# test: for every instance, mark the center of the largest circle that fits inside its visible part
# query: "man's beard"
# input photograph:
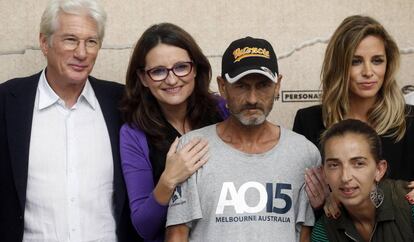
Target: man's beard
(251, 121)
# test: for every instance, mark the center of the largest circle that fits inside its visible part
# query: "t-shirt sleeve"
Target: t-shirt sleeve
(304, 212)
(185, 204)
(316, 155)
(184, 207)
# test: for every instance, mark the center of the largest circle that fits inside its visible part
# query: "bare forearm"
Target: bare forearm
(305, 234)
(177, 233)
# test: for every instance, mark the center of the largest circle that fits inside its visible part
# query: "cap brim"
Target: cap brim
(255, 70)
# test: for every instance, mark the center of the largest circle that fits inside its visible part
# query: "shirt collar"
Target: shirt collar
(88, 94)
(48, 97)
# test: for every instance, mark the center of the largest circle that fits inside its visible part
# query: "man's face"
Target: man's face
(250, 99)
(72, 50)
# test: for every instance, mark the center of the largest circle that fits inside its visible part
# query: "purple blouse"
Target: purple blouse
(147, 215)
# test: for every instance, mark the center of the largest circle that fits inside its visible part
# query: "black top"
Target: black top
(400, 155)
(158, 149)
(158, 154)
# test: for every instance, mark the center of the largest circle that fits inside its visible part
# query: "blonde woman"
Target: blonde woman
(358, 82)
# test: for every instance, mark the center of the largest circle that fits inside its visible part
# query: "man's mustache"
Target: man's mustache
(251, 106)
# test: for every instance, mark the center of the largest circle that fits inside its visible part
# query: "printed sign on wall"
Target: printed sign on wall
(301, 95)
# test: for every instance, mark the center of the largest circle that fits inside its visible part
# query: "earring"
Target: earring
(376, 196)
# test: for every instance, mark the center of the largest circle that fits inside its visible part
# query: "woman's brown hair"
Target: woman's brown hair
(141, 109)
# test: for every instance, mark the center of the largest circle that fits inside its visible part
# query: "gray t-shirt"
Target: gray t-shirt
(237, 196)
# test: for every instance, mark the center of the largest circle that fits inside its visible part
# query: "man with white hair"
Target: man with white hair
(60, 174)
(251, 188)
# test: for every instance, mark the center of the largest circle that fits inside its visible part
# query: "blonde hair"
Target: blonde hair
(387, 116)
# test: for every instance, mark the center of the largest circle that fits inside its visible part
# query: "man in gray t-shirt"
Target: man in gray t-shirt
(251, 189)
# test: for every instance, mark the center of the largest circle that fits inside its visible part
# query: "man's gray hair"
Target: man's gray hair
(49, 22)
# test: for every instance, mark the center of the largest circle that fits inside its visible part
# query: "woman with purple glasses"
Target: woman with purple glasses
(167, 94)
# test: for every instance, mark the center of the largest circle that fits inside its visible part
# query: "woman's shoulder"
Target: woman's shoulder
(396, 190)
(221, 105)
(308, 122)
(399, 188)
(132, 131)
(311, 111)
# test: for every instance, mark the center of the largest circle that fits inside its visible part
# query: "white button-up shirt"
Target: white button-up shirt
(409, 98)
(70, 174)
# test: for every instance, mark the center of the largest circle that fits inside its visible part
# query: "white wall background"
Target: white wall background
(298, 31)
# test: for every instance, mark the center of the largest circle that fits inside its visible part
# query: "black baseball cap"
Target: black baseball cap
(249, 55)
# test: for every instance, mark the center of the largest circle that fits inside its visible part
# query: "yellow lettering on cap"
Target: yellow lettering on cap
(245, 52)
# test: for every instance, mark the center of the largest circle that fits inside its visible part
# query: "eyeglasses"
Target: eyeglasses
(160, 73)
(72, 42)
